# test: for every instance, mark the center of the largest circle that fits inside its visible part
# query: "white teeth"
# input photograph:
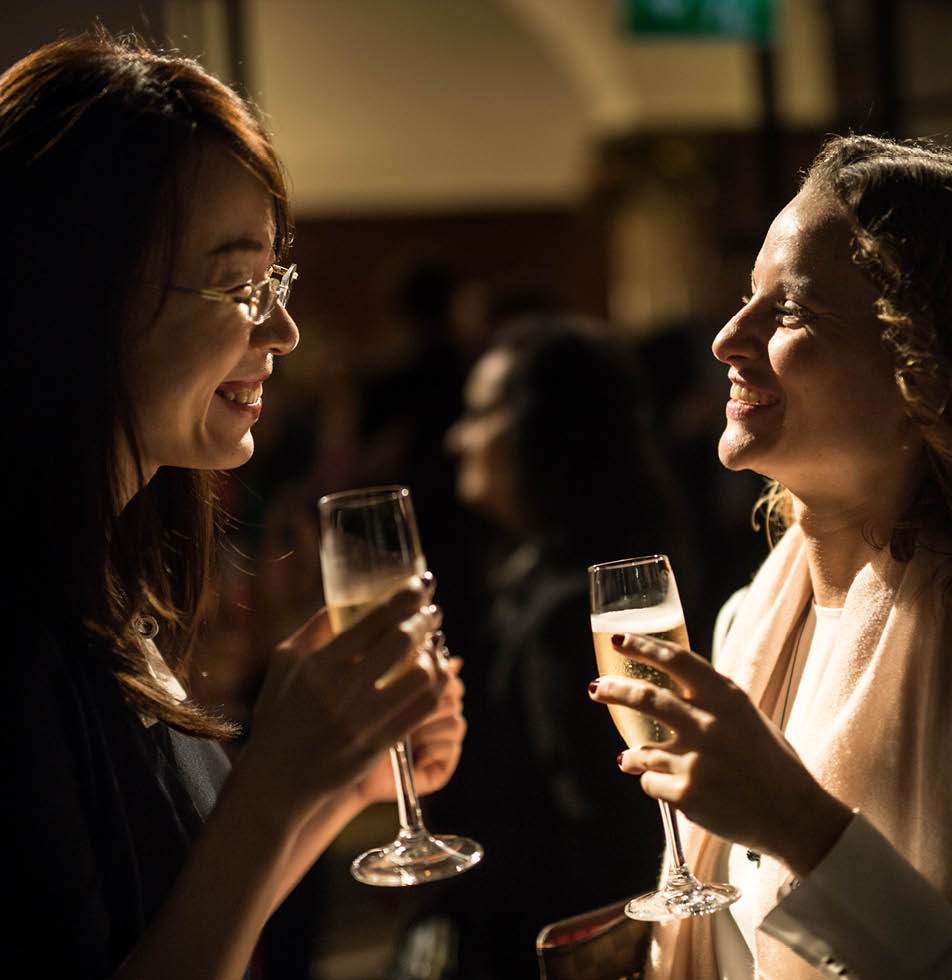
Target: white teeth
(247, 397)
(751, 397)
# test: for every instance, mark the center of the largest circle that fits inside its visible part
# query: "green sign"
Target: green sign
(747, 19)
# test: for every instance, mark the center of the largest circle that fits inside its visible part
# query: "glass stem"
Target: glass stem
(408, 803)
(673, 837)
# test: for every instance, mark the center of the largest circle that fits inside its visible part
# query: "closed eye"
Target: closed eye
(249, 284)
(242, 289)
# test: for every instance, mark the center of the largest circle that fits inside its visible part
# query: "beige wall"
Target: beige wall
(403, 105)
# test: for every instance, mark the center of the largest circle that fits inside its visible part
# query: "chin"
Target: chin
(232, 457)
(467, 488)
(738, 452)
(728, 455)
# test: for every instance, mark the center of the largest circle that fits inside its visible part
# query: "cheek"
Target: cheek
(499, 450)
(794, 360)
(485, 462)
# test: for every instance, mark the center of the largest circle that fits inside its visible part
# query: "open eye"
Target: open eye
(791, 314)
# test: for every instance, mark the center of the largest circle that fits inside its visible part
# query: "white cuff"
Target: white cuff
(866, 912)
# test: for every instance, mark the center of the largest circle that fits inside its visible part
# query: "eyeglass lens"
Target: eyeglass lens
(266, 294)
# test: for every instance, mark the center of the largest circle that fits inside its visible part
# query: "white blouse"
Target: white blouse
(863, 879)
(734, 932)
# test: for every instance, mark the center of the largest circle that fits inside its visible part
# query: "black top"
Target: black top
(101, 809)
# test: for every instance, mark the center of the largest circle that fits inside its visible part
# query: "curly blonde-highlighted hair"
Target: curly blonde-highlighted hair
(898, 198)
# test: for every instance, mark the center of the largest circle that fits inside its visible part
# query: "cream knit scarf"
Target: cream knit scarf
(878, 735)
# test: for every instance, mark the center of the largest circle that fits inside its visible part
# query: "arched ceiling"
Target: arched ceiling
(426, 104)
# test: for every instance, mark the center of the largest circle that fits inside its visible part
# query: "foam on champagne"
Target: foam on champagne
(666, 622)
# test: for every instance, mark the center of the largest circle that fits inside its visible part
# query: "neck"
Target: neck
(835, 558)
(841, 541)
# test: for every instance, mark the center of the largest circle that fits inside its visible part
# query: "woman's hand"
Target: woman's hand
(727, 767)
(436, 746)
(322, 720)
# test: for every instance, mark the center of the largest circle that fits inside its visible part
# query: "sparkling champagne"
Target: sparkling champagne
(370, 549)
(347, 603)
(664, 622)
(639, 595)
(351, 596)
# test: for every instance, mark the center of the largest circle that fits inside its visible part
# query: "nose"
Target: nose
(453, 438)
(740, 339)
(277, 332)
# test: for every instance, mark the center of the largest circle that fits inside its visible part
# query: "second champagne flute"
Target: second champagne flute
(639, 595)
(370, 548)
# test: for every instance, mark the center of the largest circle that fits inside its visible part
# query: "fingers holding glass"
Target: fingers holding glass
(370, 550)
(640, 595)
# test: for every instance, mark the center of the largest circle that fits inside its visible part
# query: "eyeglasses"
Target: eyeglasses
(259, 303)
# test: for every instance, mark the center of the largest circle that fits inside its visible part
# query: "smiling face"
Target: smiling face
(813, 401)
(195, 373)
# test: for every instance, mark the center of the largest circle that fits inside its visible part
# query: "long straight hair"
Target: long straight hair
(98, 138)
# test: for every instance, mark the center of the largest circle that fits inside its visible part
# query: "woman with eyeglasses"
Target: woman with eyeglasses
(144, 219)
(813, 763)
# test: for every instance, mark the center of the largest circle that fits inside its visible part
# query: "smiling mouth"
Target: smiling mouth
(245, 396)
(750, 397)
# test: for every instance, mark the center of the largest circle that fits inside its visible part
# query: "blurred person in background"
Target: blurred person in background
(812, 764)
(148, 203)
(551, 450)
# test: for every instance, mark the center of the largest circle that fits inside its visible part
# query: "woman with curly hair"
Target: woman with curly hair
(812, 765)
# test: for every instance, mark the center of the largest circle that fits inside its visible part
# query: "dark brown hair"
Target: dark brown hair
(98, 137)
(576, 393)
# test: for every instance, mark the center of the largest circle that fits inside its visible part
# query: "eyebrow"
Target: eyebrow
(236, 245)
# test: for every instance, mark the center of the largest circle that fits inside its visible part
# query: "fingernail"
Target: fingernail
(618, 639)
(593, 687)
(425, 582)
(620, 759)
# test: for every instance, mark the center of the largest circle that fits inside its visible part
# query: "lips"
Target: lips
(751, 396)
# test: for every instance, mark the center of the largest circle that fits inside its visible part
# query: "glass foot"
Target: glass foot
(414, 859)
(682, 897)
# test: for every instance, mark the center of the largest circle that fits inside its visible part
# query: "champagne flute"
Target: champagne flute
(640, 595)
(370, 548)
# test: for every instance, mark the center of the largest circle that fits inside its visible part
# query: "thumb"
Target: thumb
(315, 632)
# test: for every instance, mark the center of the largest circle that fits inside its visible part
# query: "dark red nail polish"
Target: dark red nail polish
(593, 687)
(618, 639)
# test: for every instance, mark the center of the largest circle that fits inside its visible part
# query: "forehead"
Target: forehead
(486, 383)
(808, 246)
(227, 210)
